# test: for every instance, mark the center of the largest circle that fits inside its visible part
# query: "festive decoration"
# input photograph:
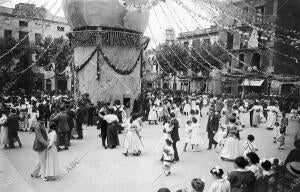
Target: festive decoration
(117, 70)
(80, 67)
(140, 5)
(282, 38)
(108, 13)
(117, 37)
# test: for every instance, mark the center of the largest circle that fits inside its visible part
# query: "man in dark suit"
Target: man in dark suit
(80, 118)
(61, 121)
(212, 127)
(103, 124)
(71, 121)
(13, 128)
(174, 134)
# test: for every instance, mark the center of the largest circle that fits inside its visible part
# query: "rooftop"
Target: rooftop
(200, 32)
(30, 11)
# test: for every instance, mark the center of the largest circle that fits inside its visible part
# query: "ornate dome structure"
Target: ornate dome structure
(126, 14)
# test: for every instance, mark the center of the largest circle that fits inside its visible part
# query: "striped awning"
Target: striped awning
(252, 82)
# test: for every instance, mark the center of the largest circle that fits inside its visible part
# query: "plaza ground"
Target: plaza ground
(109, 171)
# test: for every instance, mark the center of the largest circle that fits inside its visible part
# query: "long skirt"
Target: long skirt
(132, 142)
(3, 136)
(52, 165)
(112, 134)
(232, 149)
(271, 120)
(256, 118)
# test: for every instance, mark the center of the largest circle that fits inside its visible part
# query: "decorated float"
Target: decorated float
(108, 42)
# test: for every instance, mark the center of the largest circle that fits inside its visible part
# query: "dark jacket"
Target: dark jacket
(71, 117)
(174, 133)
(212, 123)
(40, 142)
(80, 115)
(13, 123)
(61, 121)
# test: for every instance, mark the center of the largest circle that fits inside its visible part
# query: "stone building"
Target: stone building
(36, 23)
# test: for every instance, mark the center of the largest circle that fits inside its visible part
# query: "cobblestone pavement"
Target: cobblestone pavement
(92, 168)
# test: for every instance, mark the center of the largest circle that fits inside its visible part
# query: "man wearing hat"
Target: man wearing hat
(212, 127)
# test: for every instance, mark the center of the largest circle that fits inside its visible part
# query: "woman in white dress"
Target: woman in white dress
(132, 141)
(273, 112)
(52, 165)
(257, 110)
(232, 146)
(197, 138)
(152, 117)
(187, 107)
(3, 133)
(33, 119)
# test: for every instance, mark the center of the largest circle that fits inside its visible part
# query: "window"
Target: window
(255, 61)
(7, 34)
(23, 34)
(243, 42)
(38, 38)
(59, 28)
(48, 85)
(241, 60)
(23, 23)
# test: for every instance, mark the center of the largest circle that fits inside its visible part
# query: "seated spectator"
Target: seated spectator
(241, 179)
(294, 154)
(220, 184)
(253, 166)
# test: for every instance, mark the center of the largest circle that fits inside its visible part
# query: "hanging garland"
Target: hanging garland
(107, 60)
(117, 70)
(80, 67)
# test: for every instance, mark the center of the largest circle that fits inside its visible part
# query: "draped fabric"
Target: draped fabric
(109, 13)
(110, 86)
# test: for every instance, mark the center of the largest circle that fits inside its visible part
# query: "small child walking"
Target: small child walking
(284, 123)
(249, 145)
(188, 134)
(168, 157)
(281, 139)
(275, 132)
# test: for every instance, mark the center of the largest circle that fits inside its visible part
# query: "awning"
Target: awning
(252, 82)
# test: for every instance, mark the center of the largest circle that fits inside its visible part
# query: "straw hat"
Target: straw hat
(294, 168)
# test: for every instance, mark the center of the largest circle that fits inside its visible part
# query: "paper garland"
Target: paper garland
(107, 60)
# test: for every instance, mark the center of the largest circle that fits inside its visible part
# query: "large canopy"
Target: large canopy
(109, 13)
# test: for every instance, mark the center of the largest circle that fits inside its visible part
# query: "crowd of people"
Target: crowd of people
(56, 120)
(226, 119)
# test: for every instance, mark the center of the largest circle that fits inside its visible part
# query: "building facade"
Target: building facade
(35, 24)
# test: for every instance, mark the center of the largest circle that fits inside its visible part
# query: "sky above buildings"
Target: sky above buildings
(163, 16)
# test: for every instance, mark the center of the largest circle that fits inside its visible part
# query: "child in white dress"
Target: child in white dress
(220, 137)
(52, 165)
(152, 117)
(275, 132)
(188, 134)
(166, 135)
(197, 138)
